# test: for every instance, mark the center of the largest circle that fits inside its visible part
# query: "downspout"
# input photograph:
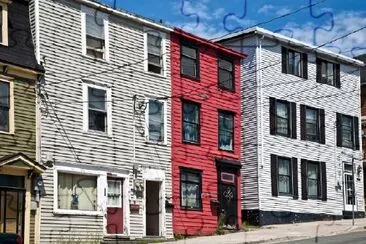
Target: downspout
(36, 29)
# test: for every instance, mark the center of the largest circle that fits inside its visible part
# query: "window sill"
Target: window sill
(97, 133)
(156, 143)
(285, 136)
(224, 89)
(226, 150)
(192, 209)
(191, 143)
(350, 148)
(155, 74)
(96, 59)
(7, 133)
(190, 77)
(77, 212)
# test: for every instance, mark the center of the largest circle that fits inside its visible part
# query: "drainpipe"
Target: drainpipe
(36, 28)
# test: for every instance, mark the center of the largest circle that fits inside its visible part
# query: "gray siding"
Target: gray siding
(274, 83)
(64, 139)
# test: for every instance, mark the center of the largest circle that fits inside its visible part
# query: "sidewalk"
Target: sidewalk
(280, 233)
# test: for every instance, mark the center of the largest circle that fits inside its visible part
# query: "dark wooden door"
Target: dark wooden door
(228, 198)
(115, 206)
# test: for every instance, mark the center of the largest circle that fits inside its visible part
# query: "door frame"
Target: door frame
(125, 204)
(157, 176)
(348, 207)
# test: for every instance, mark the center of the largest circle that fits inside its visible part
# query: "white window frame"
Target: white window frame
(4, 28)
(11, 110)
(119, 205)
(84, 10)
(86, 108)
(101, 182)
(163, 50)
(164, 102)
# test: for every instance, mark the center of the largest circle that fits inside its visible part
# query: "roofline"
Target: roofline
(126, 15)
(288, 40)
(209, 43)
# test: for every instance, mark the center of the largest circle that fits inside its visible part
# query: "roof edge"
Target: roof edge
(288, 40)
(126, 15)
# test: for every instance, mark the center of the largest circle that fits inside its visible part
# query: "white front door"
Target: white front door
(348, 187)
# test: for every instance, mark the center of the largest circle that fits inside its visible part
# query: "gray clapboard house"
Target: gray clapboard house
(105, 122)
(301, 130)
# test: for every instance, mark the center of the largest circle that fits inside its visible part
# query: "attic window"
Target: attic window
(3, 24)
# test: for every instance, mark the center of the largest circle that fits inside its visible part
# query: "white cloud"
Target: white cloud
(283, 11)
(200, 8)
(265, 9)
(344, 23)
(219, 13)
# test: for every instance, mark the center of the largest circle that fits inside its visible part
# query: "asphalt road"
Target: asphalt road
(352, 238)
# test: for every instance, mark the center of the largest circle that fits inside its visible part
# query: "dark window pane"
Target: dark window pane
(94, 26)
(189, 52)
(191, 112)
(189, 67)
(347, 131)
(284, 173)
(226, 131)
(282, 118)
(294, 63)
(156, 121)
(190, 132)
(96, 98)
(312, 131)
(97, 120)
(190, 190)
(327, 73)
(4, 106)
(191, 120)
(313, 179)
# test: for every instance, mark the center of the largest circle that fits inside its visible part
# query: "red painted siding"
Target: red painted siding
(201, 157)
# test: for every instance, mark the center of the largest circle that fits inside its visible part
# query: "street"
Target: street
(354, 238)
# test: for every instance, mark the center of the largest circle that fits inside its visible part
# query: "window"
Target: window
(348, 131)
(156, 121)
(189, 61)
(191, 122)
(226, 74)
(282, 118)
(4, 106)
(328, 73)
(3, 24)
(314, 180)
(97, 109)
(154, 50)
(226, 131)
(96, 33)
(284, 176)
(312, 124)
(114, 193)
(294, 63)
(191, 187)
(77, 192)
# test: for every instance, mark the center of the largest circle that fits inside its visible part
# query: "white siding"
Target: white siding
(274, 83)
(67, 68)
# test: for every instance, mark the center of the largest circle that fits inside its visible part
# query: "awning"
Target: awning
(21, 160)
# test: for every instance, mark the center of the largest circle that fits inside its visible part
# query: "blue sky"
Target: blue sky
(327, 20)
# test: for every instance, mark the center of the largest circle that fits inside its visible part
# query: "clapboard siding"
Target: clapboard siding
(333, 100)
(24, 138)
(67, 68)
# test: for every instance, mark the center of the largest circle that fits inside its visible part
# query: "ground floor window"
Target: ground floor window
(77, 192)
(191, 188)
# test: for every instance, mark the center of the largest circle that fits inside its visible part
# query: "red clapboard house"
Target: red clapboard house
(206, 131)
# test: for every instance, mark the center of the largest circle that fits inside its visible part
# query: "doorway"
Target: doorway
(348, 187)
(228, 198)
(153, 208)
(115, 206)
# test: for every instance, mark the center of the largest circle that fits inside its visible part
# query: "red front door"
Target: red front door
(114, 206)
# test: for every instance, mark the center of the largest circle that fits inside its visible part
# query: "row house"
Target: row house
(105, 122)
(20, 181)
(301, 118)
(206, 140)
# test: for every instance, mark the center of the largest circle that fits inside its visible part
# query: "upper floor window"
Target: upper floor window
(156, 121)
(95, 30)
(328, 73)
(348, 132)
(97, 109)
(312, 124)
(3, 24)
(314, 180)
(284, 176)
(6, 107)
(294, 63)
(226, 74)
(189, 61)
(226, 131)
(191, 188)
(191, 122)
(282, 118)
(154, 54)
